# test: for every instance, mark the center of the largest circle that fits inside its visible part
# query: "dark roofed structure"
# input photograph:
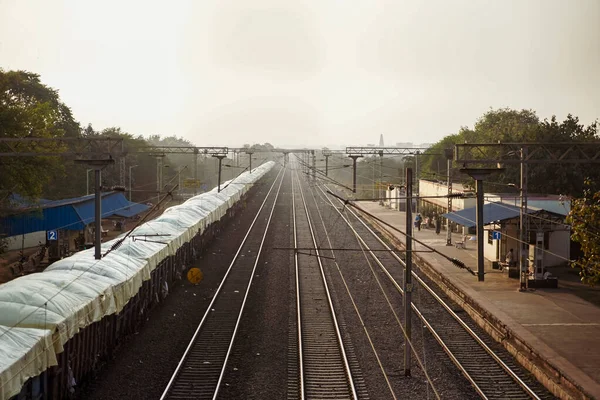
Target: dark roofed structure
(68, 214)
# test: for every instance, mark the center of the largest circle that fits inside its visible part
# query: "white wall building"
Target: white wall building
(429, 188)
(25, 241)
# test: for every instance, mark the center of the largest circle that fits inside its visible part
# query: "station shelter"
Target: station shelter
(547, 242)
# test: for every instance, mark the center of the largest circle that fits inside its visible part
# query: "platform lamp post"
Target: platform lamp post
(130, 168)
(97, 166)
(479, 174)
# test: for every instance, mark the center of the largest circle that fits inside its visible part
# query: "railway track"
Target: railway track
(200, 372)
(324, 367)
(492, 375)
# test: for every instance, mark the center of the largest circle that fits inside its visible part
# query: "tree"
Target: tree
(512, 126)
(585, 229)
(28, 108)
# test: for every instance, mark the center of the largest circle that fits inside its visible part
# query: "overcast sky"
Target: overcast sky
(307, 73)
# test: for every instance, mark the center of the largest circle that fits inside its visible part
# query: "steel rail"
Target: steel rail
(476, 337)
(298, 317)
(237, 324)
(338, 334)
(354, 305)
(218, 291)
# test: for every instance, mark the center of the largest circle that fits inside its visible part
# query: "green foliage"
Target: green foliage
(585, 221)
(511, 126)
(29, 108)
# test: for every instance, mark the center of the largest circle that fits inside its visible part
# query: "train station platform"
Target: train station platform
(553, 332)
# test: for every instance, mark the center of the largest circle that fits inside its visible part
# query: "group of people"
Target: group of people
(437, 222)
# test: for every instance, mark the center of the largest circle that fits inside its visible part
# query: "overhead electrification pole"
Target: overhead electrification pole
(97, 166)
(196, 171)
(97, 216)
(408, 272)
(479, 174)
(417, 179)
(379, 190)
(354, 157)
(219, 176)
(523, 226)
(130, 168)
(314, 163)
(449, 155)
(87, 180)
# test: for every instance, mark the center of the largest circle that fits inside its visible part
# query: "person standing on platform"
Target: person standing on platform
(438, 224)
(418, 221)
(510, 259)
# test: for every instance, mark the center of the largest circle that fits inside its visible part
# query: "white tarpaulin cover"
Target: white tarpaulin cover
(41, 312)
(24, 353)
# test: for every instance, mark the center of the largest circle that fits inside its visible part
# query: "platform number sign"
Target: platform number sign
(496, 235)
(52, 235)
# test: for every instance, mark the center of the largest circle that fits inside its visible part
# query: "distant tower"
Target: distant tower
(381, 140)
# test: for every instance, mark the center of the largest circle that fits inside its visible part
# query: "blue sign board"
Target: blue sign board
(52, 235)
(496, 235)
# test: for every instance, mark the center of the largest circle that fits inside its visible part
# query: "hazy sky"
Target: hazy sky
(228, 72)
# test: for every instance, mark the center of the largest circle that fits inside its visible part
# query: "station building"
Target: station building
(548, 238)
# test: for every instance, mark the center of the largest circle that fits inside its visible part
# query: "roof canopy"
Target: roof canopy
(69, 214)
(492, 212)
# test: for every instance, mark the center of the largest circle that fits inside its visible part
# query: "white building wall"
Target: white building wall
(31, 240)
(489, 250)
(560, 244)
(428, 188)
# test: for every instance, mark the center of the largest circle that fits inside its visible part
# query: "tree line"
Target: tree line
(29, 108)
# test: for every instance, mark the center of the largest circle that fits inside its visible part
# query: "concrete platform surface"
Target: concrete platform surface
(558, 325)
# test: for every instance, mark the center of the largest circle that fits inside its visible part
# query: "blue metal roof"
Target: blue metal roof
(491, 212)
(69, 214)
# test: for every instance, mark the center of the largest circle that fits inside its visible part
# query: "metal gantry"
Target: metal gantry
(219, 152)
(409, 151)
(536, 153)
(356, 152)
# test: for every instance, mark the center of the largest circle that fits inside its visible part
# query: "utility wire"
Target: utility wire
(453, 260)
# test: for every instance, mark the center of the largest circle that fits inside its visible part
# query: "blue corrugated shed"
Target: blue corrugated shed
(69, 214)
(491, 212)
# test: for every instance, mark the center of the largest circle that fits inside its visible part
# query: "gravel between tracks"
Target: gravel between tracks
(380, 321)
(258, 365)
